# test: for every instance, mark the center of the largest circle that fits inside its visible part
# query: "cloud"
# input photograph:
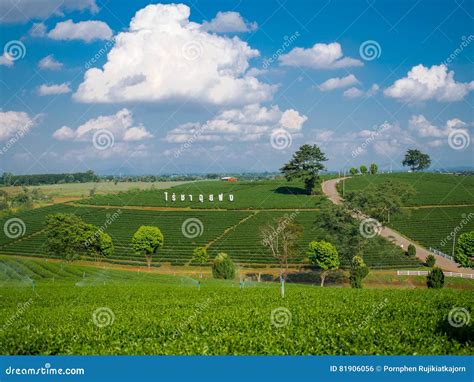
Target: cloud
(120, 125)
(423, 84)
(13, 122)
(250, 123)
(419, 125)
(37, 30)
(45, 90)
(22, 11)
(163, 56)
(320, 56)
(338, 82)
(49, 62)
(84, 30)
(6, 60)
(356, 92)
(228, 22)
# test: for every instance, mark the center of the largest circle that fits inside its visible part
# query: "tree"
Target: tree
(98, 244)
(146, 241)
(200, 256)
(281, 236)
(354, 170)
(358, 272)
(223, 267)
(435, 278)
(411, 250)
(374, 168)
(464, 254)
(416, 160)
(363, 169)
(305, 165)
(324, 255)
(430, 261)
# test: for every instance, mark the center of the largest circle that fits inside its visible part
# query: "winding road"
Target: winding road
(329, 189)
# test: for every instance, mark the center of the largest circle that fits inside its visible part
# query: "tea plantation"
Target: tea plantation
(84, 310)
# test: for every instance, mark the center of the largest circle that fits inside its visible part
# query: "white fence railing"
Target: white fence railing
(439, 253)
(424, 273)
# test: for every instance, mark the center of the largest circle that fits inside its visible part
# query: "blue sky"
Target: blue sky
(205, 86)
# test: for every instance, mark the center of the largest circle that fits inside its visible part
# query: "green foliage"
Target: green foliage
(223, 267)
(416, 160)
(8, 178)
(323, 255)
(373, 168)
(464, 254)
(435, 278)
(98, 244)
(411, 250)
(358, 272)
(430, 261)
(305, 165)
(363, 169)
(354, 170)
(146, 241)
(200, 255)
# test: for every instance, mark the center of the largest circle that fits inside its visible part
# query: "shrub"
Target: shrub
(411, 250)
(358, 272)
(435, 278)
(223, 267)
(465, 250)
(430, 261)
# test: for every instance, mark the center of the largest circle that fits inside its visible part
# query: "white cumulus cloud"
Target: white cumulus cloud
(13, 122)
(320, 56)
(121, 125)
(84, 30)
(50, 63)
(250, 123)
(338, 82)
(423, 84)
(163, 56)
(356, 92)
(228, 22)
(6, 60)
(45, 90)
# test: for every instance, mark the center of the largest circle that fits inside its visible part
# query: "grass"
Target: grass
(431, 189)
(271, 194)
(84, 311)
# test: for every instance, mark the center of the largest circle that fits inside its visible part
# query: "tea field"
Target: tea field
(82, 310)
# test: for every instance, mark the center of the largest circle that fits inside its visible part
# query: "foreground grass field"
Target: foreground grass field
(82, 310)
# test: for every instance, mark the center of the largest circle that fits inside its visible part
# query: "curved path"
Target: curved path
(329, 189)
